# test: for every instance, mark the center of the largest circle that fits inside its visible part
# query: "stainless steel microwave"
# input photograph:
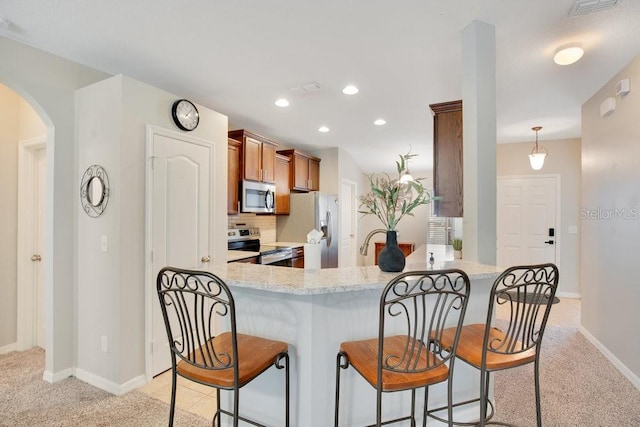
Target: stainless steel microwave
(258, 197)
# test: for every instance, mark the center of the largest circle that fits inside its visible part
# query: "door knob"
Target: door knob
(549, 242)
(205, 258)
(36, 257)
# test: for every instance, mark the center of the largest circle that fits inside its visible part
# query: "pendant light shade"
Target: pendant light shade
(538, 153)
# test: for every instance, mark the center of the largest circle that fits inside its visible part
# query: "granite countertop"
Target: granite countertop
(238, 255)
(299, 281)
(285, 244)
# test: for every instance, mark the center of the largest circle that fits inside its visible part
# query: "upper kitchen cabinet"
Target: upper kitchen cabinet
(282, 185)
(258, 160)
(447, 158)
(304, 172)
(234, 149)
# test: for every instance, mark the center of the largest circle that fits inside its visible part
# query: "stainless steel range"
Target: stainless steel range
(248, 239)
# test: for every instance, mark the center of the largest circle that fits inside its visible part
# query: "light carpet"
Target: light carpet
(579, 387)
(27, 400)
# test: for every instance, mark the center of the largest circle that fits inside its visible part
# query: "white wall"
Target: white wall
(48, 82)
(610, 216)
(563, 160)
(112, 116)
(9, 135)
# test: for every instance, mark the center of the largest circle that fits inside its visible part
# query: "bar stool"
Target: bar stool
(526, 294)
(415, 308)
(194, 304)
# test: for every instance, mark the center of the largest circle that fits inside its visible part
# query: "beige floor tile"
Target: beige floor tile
(204, 407)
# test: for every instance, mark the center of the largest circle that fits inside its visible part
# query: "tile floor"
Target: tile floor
(193, 397)
(201, 400)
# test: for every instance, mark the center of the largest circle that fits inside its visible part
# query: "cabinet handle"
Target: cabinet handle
(36, 257)
(310, 184)
(205, 258)
(238, 206)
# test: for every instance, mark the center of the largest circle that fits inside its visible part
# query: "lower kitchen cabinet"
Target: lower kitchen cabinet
(297, 257)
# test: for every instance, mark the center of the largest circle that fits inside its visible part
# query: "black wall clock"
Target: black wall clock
(185, 114)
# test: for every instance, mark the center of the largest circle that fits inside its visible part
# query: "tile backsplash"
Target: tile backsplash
(266, 224)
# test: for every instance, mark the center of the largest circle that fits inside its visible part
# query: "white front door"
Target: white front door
(180, 219)
(527, 221)
(348, 223)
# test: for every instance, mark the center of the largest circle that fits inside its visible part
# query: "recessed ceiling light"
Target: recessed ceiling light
(568, 54)
(323, 129)
(350, 90)
(380, 122)
(282, 102)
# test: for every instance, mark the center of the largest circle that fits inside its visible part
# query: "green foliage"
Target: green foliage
(390, 200)
(457, 244)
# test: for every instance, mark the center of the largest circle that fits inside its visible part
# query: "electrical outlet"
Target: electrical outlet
(103, 343)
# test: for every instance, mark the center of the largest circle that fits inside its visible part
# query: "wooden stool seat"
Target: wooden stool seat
(255, 355)
(470, 348)
(363, 356)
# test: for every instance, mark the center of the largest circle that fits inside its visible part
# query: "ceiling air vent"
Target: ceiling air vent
(582, 7)
(306, 88)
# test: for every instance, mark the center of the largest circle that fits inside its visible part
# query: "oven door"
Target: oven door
(258, 197)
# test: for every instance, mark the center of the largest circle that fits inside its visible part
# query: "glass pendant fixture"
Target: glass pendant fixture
(538, 153)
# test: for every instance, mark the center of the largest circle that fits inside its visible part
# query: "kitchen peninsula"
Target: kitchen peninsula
(314, 311)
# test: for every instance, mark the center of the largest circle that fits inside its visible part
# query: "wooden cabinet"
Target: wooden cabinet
(282, 185)
(406, 248)
(258, 160)
(447, 158)
(304, 171)
(233, 175)
(297, 257)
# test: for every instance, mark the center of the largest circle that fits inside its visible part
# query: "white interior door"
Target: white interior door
(180, 219)
(41, 173)
(348, 223)
(527, 221)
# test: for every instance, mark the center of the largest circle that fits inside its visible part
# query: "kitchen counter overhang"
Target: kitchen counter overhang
(333, 280)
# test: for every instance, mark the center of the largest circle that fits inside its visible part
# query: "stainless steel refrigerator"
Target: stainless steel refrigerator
(310, 211)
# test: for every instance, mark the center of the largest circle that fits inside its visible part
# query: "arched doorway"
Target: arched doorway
(25, 208)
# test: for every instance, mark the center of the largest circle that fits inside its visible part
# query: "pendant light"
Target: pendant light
(538, 154)
(406, 177)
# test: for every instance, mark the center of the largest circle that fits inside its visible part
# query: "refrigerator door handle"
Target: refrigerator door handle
(329, 228)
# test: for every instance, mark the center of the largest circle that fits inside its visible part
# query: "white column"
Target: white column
(479, 136)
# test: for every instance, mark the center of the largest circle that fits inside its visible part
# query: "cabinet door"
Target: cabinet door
(268, 163)
(282, 185)
(233, 175)
(301, 172)
(447, 158)
(314, 175)
(252, 156)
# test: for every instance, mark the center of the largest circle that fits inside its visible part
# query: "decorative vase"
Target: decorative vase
(457, 254)
(391, 257)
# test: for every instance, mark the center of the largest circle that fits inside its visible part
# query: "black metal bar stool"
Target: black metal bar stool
(525, 295)
(193, 304)
(415, 308)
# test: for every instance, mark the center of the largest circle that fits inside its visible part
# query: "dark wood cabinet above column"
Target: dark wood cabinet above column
(447, 158)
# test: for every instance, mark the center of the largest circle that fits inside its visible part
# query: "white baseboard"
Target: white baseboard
(635, 380)
(8, 348)
(571, 295)
(50, 377)
(110, 386)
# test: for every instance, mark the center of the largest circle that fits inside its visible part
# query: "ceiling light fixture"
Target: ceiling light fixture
(323, 129)
(406, 177)
(538, 154)
(282, 102)
(568, 54)
(380, 122)
(350, 90)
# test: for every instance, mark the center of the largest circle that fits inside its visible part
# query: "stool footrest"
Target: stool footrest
(430, 413)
